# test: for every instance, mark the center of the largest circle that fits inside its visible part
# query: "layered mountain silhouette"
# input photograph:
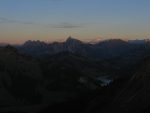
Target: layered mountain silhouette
(74, 76)
(104, 49)
(38, 48)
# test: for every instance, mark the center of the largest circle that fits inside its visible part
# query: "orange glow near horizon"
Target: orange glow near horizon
(48, 20)
(49, 39)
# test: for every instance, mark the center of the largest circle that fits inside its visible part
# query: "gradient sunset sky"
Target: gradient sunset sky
(55, 20)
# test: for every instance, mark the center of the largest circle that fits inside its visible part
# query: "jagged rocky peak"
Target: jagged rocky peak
(33, 43)
(71, 40)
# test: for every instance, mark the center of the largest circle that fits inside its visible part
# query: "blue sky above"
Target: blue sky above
(51, 20)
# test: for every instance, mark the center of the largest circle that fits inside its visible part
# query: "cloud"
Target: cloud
(54, 0)
(51, 0)
(7, 20)
(66, 25)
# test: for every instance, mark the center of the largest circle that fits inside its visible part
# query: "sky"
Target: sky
(55, 20)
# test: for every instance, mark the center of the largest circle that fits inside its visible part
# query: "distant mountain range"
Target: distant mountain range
(104, 49)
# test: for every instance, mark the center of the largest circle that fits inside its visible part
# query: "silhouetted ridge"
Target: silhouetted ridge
(113, 42)
(34, 43)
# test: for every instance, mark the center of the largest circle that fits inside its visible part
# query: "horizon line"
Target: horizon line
(96, 40)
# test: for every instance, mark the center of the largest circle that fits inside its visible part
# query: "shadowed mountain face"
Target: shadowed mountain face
(19, 75)
(133, 97)
(72, 76)
(26, 82)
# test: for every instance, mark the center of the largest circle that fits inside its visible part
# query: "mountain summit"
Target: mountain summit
(71, 40)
